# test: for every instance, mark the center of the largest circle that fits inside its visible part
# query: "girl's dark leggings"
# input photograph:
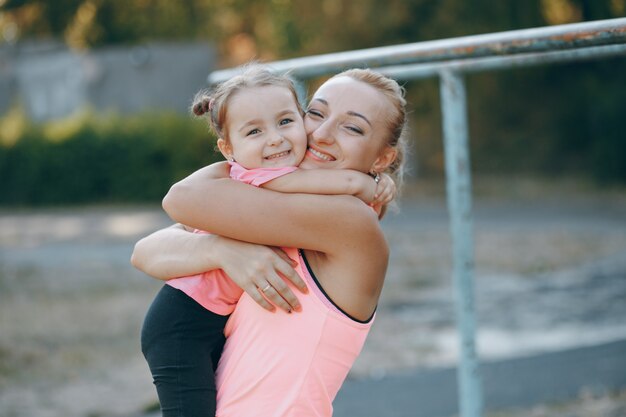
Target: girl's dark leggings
(182, 342)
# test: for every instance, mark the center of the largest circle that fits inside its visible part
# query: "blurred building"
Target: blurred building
(50, 81)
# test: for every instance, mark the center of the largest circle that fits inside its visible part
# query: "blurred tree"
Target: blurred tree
(41, 18)
(286, 28)
(559, 131)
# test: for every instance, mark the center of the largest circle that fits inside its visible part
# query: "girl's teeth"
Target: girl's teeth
(278, 155)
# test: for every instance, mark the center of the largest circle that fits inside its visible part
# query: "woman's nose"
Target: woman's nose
(323, 133)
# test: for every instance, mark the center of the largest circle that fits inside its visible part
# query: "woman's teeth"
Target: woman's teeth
(320, 155)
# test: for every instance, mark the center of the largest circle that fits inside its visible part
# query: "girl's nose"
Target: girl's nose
(276, 138)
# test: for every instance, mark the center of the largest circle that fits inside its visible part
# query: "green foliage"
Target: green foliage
(104, 159)
(557, 119)
(553, 120)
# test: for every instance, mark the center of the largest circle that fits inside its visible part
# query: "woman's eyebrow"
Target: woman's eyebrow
(353, 113)
(321, 100)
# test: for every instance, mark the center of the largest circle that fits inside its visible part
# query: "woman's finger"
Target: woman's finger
(289, 273)
(270, 293)
(283, 255)
(255, 294)
(282, 290)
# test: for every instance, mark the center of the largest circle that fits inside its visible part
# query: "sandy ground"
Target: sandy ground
(550, 274)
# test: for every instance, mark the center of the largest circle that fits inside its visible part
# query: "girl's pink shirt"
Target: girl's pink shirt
(214, 290)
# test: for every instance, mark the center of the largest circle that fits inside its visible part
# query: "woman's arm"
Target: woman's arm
(229, 208)
(175, 251)
(342, 231)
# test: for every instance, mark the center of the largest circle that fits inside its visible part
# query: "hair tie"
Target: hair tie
(211, 104)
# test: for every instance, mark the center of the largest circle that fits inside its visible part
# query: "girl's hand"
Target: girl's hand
(261, 272)
(385, 191)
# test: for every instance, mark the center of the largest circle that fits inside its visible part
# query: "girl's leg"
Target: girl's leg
(182, 342)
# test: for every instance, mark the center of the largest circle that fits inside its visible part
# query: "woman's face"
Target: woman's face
(345, 126)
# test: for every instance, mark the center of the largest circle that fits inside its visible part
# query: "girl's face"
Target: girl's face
(345, 125)
(264, 128)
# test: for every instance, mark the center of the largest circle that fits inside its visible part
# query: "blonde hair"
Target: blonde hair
(396, 120)
(214, 103)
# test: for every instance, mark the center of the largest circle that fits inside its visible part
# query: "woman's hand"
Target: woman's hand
(175, 251)
(259, 271)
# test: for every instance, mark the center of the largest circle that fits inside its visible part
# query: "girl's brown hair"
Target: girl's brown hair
(214, 103)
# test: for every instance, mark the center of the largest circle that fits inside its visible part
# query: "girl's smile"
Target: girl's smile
(266, 130)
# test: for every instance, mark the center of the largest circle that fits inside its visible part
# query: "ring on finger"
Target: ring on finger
(267, 287)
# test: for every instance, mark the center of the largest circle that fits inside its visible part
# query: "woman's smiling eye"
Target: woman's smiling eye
(313, 112)
(355, 129)
(285, 121)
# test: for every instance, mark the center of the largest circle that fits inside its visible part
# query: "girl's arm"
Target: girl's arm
(225, 207)
(326, 181)
(175, 251)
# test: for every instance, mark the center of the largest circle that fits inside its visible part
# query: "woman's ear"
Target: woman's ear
(225, 149)
(385, 159)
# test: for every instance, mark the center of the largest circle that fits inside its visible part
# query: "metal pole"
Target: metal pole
(455, 129)
(301, 91)
(548, 38)
(498, 63)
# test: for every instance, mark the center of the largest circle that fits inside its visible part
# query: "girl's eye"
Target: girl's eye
(253, 132)
(285, 121)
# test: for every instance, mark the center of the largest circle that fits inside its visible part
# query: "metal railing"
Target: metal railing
(450, 59)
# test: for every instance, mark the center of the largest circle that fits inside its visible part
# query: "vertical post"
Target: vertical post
(455, 129)
(301, 91)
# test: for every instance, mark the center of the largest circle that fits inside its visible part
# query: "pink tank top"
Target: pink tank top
(287, 365)
(214, 290)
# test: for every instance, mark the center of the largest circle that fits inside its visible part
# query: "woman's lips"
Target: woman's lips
(320, 156)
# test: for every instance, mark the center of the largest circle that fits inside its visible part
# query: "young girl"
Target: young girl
(259, 123)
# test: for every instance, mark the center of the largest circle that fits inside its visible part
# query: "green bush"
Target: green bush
(104, 159)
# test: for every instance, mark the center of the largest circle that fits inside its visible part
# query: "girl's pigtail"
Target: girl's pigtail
(202, 104)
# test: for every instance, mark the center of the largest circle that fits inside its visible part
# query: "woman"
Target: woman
(293, 365)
